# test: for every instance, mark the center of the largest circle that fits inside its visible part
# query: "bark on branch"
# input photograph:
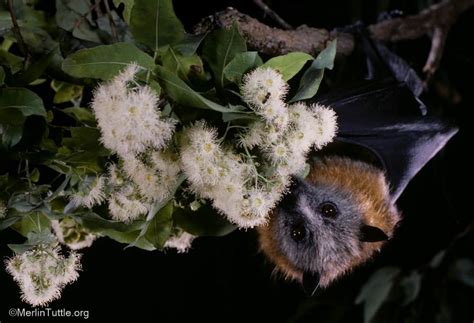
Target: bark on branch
(275, 41)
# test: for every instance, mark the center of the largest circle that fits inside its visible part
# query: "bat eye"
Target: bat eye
(328, 209)
(298, 232)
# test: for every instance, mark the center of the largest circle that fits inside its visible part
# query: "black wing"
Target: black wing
(386, 117)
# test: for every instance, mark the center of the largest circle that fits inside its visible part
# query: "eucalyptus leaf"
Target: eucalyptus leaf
(312, 77)
(129, 238)
(463, 271)
(105, 61)
(203, 222)
(411, 286)
(9, 221)
(128, 6)
(96, 223)
(189, 44)
(160, 227)
(220, 47)
(66, 92)
(154, 23)
(13, 62)
(181, 65)
(240, 64)
(22, 100)
(34, 71)
(376, 291)
(80, 114)
(181, 93)
(32, 222)
(2, 75)
(16, 104)
(288, 65)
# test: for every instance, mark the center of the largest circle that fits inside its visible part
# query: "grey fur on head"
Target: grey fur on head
(330, 222)
(329, 243)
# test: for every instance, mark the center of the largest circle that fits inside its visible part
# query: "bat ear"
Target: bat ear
(369, 233)
(310, 282)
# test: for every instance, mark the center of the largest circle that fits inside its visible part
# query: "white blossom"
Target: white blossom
(157, 180)
(326, 124)
(128, 118)
(126, 204)
(71, 234)
(42, 273)
(91, 192)
(262, 85)
(181, 242)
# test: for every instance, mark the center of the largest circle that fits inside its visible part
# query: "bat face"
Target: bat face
(330, 222)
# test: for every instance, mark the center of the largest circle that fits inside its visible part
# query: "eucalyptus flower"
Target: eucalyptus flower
(42, 273)
(128, 115)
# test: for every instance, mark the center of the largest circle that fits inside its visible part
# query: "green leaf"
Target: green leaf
(241, 64)
(181, 93)
(288, 65)
(96, 223)
(22, 100)
(220, 47)
(105, 61)
(32, 222)
(183, 65)
(312, 77)
(13, 62)
(80, 114)
(160, 227)
(376, 290)
(129, 238)
(9, 221)
(411, 287)
(85, 139)
(66, 92)
(154, 23)
(2, 75)
(34, 71)
(203, 222)
(463, 271)
(16, 104)
(10, 135)
(189, 45)
(127, 11)
(76, 16)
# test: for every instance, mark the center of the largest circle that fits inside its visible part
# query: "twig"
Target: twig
(113, 28)
(275, 41)
(438, 41)
(17, 32)
(83, 17)
(272, 14)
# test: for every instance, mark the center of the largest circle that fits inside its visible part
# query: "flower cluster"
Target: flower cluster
(132, 126)
(244, 178)
(128, 117)
(246, 186)
(42, 273)
(71, 234)
(217, 173)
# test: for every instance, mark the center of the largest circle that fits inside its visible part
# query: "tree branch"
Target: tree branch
(17, 32)
(272, 14)
(276, 41)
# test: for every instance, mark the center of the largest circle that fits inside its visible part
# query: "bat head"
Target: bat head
(330, 222)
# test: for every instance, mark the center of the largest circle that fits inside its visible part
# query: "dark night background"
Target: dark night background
(227, 279)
